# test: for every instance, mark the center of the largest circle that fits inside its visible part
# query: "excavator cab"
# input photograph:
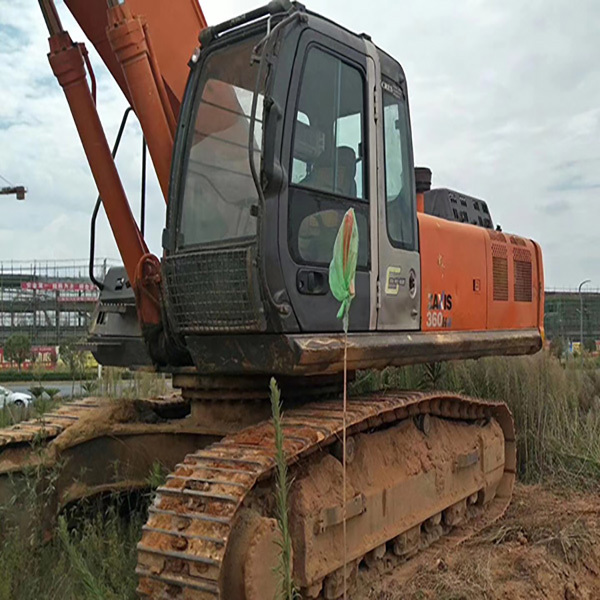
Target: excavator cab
(287, 122)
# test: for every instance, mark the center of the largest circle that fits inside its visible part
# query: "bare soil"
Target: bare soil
(547, 546)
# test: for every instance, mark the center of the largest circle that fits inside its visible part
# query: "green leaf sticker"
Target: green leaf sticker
(342, 269)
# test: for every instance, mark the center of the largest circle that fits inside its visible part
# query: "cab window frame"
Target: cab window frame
(399, 95)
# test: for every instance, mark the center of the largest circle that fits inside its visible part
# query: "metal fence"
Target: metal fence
(563, 314)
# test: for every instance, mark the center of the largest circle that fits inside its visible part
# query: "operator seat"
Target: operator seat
(346, 160)
(322, 174)
(317, 231)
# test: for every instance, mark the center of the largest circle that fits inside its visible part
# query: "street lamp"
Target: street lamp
(581, 314)
(19, 190)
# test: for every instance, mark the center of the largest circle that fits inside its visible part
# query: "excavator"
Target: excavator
(263, 131)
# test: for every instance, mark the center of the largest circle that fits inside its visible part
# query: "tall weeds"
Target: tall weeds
(556, 407)
(287, 590)
(95, 560)
(557, 414)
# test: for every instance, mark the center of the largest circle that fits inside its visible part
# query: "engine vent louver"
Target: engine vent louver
(496, 236)
(523, 275)
(500, 272)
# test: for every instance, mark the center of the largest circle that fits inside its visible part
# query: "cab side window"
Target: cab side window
(400, 202)
(328, 158)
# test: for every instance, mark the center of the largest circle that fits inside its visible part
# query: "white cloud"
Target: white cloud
(504, 101)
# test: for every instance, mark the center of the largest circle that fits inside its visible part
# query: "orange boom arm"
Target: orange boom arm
(135, 40)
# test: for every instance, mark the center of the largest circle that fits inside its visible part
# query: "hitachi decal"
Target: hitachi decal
(394, 281)
(441, 301)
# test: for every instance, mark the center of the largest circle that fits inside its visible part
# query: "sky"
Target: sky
(505, 106)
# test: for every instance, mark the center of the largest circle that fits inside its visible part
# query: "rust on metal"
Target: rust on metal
(215, 543)
(322, 355)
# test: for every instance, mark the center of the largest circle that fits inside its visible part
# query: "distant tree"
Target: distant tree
(589, 344)
(74, 359)
(52, 393)
(37, 391)
(17, 349)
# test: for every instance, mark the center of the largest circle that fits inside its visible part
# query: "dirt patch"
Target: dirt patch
(94, 423)
(547, 546)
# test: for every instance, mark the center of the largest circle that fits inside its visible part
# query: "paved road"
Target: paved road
(65, 387)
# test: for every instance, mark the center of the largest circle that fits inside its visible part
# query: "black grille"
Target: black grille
(500, 268)
(523, 284)
(213, 291)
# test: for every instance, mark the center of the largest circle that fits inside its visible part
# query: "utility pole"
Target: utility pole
(581, 314)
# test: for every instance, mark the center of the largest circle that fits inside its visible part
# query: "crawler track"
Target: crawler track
(96, 445)
(188, 547)
(50, 425)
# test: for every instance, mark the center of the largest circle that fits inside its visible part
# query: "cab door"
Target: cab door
(399, 290)
(326, 155)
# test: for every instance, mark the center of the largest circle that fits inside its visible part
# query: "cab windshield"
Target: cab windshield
(218, 189)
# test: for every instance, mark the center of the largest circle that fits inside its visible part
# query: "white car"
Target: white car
(14, 398)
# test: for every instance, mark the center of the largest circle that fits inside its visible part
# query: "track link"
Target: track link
(47, 427)
(93, 446)
(184, 548)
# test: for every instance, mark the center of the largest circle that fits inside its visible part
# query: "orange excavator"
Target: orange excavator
(263, 131)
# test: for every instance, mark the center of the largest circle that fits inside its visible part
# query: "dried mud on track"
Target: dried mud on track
(547, 546)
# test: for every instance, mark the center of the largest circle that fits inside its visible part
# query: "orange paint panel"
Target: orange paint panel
(173, 26)
(453, 275)
(476, 279)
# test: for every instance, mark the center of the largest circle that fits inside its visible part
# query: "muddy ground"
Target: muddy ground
(546, 546)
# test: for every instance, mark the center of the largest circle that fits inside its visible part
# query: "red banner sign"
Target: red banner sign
(77, 299)
(46, 355)
(58, 286)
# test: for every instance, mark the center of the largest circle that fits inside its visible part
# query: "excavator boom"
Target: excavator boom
(179, 20)
(135, 41)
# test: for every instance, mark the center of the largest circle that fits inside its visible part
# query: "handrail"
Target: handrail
(100, 284)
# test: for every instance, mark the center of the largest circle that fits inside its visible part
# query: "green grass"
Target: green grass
(11, 414)
(557, 413)
(93, 561)
(556, 407)
(58, 374)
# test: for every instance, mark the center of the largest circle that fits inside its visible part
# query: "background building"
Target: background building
(563, 317)
(50, 301)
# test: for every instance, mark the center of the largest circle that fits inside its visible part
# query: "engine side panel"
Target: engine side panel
(453, 275)
(515, 289)
(477, 279)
